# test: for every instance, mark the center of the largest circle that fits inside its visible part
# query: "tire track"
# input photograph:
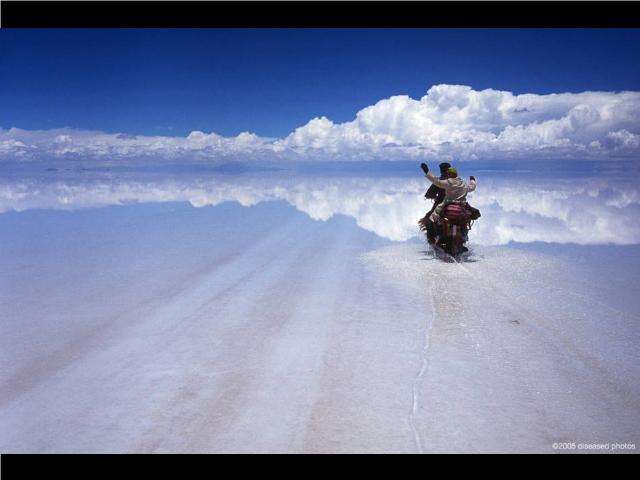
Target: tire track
(423, 369)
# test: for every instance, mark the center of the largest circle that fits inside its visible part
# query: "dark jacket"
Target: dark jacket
(436, 193)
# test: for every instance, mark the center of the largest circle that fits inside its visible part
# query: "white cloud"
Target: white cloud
(10, 148)
(450, 121)
(91, 145)
(457, 121)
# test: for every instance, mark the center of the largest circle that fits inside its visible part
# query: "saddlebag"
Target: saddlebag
(473, 213)
(455, 213)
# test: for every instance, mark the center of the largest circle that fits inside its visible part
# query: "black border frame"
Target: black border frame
(313, 14)
(316, 14)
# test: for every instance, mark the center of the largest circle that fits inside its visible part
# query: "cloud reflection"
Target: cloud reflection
(591, 210)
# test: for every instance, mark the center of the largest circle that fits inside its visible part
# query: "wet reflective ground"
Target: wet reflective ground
(197, 310)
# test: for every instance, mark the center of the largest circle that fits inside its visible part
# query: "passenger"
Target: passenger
(455, 189)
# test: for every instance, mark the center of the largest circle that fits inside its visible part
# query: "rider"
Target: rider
(436, 193)
(454, 187)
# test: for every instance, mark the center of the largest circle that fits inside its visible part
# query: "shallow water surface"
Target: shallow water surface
(288, 312)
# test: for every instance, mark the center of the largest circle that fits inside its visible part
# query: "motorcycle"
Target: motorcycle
(451, 232)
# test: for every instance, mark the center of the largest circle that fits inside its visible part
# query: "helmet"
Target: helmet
(444, 166)
(452, 171)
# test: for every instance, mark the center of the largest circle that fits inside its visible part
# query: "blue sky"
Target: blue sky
(172, 82)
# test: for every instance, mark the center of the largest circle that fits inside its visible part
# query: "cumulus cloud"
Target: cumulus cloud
(449, 121)
(457, 121)
(73, 144)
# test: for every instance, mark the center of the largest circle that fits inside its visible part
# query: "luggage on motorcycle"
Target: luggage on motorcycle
(454, 212)
(473, 213)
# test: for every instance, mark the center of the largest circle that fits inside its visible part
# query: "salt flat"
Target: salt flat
(283, 327)
(520, 352)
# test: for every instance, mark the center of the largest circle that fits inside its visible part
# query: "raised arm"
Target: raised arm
(432, 178)
(436, 181)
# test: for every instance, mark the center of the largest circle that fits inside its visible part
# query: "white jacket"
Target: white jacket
(455, 189)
